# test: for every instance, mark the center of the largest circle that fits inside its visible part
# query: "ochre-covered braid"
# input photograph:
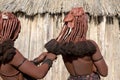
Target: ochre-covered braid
(63, 33)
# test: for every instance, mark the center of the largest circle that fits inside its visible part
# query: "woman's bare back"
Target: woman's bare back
(7, 72)
(78, 66)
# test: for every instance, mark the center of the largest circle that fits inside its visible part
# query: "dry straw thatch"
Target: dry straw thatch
(32, 7)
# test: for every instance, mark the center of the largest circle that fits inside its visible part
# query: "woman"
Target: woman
(81, 56)
(12, 63)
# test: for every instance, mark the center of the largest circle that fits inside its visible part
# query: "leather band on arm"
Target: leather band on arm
(17, 67)
(98, 59)
(21, 62)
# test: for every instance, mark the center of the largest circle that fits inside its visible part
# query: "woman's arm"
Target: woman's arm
(29, 68)
(99, 62)
(40, 58)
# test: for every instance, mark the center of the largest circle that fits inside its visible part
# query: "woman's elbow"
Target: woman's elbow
(104, 73)
(39, 76)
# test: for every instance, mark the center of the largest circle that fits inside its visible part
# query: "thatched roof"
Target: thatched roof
(32, 7)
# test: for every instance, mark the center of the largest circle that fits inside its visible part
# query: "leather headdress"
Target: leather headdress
(73, 13)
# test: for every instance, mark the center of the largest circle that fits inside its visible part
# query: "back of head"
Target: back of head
(73, 35)
(75, 26)
(9, 31)
(72, 38)
(9, 26)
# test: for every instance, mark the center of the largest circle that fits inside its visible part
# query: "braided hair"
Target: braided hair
(72, 38)
(9, 30)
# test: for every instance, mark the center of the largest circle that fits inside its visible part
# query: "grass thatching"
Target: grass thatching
(32, 7)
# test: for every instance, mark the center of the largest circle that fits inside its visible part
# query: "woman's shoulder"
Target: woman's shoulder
(18, 53)
(17, 57)
(93, 42)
